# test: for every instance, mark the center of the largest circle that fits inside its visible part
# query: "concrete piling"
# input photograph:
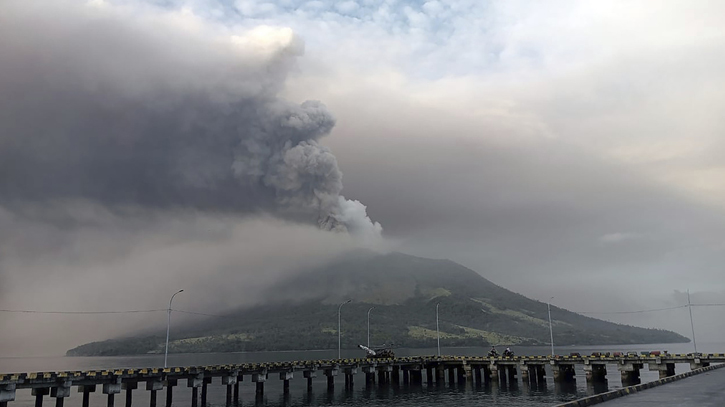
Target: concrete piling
(563, 372)
(195, 382)
(630, 372)
(86, 390)
(331, 373)
(235, 396)
(111, 389)
(153, 386)
(129, 387)
(285, 377)
(39, 392)
(664, 369)
(170, 383)
(595, 373)
(309, 375)
(350, 373)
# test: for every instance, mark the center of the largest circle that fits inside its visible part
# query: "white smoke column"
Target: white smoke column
(136, 105)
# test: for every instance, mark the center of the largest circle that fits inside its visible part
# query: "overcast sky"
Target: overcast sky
(562, 148)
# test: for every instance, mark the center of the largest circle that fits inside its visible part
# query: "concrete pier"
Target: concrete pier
(464, 370)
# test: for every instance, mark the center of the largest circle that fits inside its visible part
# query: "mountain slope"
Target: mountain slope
(302, 313)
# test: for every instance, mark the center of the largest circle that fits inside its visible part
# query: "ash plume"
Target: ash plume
(134, 105)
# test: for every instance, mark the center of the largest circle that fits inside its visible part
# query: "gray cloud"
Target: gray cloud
(161, 111)
(581, 161)
(528, 210)
(84, 257)
(144, 150)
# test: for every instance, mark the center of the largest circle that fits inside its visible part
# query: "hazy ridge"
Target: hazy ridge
(302, 314)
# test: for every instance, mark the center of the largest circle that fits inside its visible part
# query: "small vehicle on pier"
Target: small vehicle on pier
(378, 353)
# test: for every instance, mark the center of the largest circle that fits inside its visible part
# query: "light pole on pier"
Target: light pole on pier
(339, 326)
(692, 325)
(371, 308)
(168, 326)
(551, 329)
(438, 333)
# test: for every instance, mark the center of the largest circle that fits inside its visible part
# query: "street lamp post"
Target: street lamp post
(438, 333)
(692, 325)
(339, 326)
(371, 308)
(168, 326)
(551, 329)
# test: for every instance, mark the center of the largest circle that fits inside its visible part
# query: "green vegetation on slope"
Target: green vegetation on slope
(404, 290)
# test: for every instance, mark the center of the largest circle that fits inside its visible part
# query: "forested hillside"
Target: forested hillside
(404, 291)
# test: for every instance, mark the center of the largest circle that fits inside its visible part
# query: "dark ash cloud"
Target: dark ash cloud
(161, 111)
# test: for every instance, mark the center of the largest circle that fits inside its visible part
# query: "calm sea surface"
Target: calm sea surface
(512, 394)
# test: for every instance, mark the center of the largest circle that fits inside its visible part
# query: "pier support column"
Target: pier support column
(350, 373)
(195, 382)
(596, 373)
(630, 373)
(563, 372)
(416, 377)
(309, 375)
(477, 374)
(111, 389)
(230, 381)
(406, 377)
(129, 387)
(502, 376)
(525, 374)
(331, 373)
(429, 375)
(460, 375)
(664, 369)
(153, 386)
(667, 371)
(384, 374)
(440, 375)
(86, 390)
(395, 375)
(7, 393)
(38, 393)
(61, 392)
(511, 372)
(486, 373)
(170, 384)
(286, 377)
(369, 374)
(235, 396)
(259, 379)
(204, 383)
(451, 375)
(493, 369)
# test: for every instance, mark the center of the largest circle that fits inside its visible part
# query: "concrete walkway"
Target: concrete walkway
(703, 390)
